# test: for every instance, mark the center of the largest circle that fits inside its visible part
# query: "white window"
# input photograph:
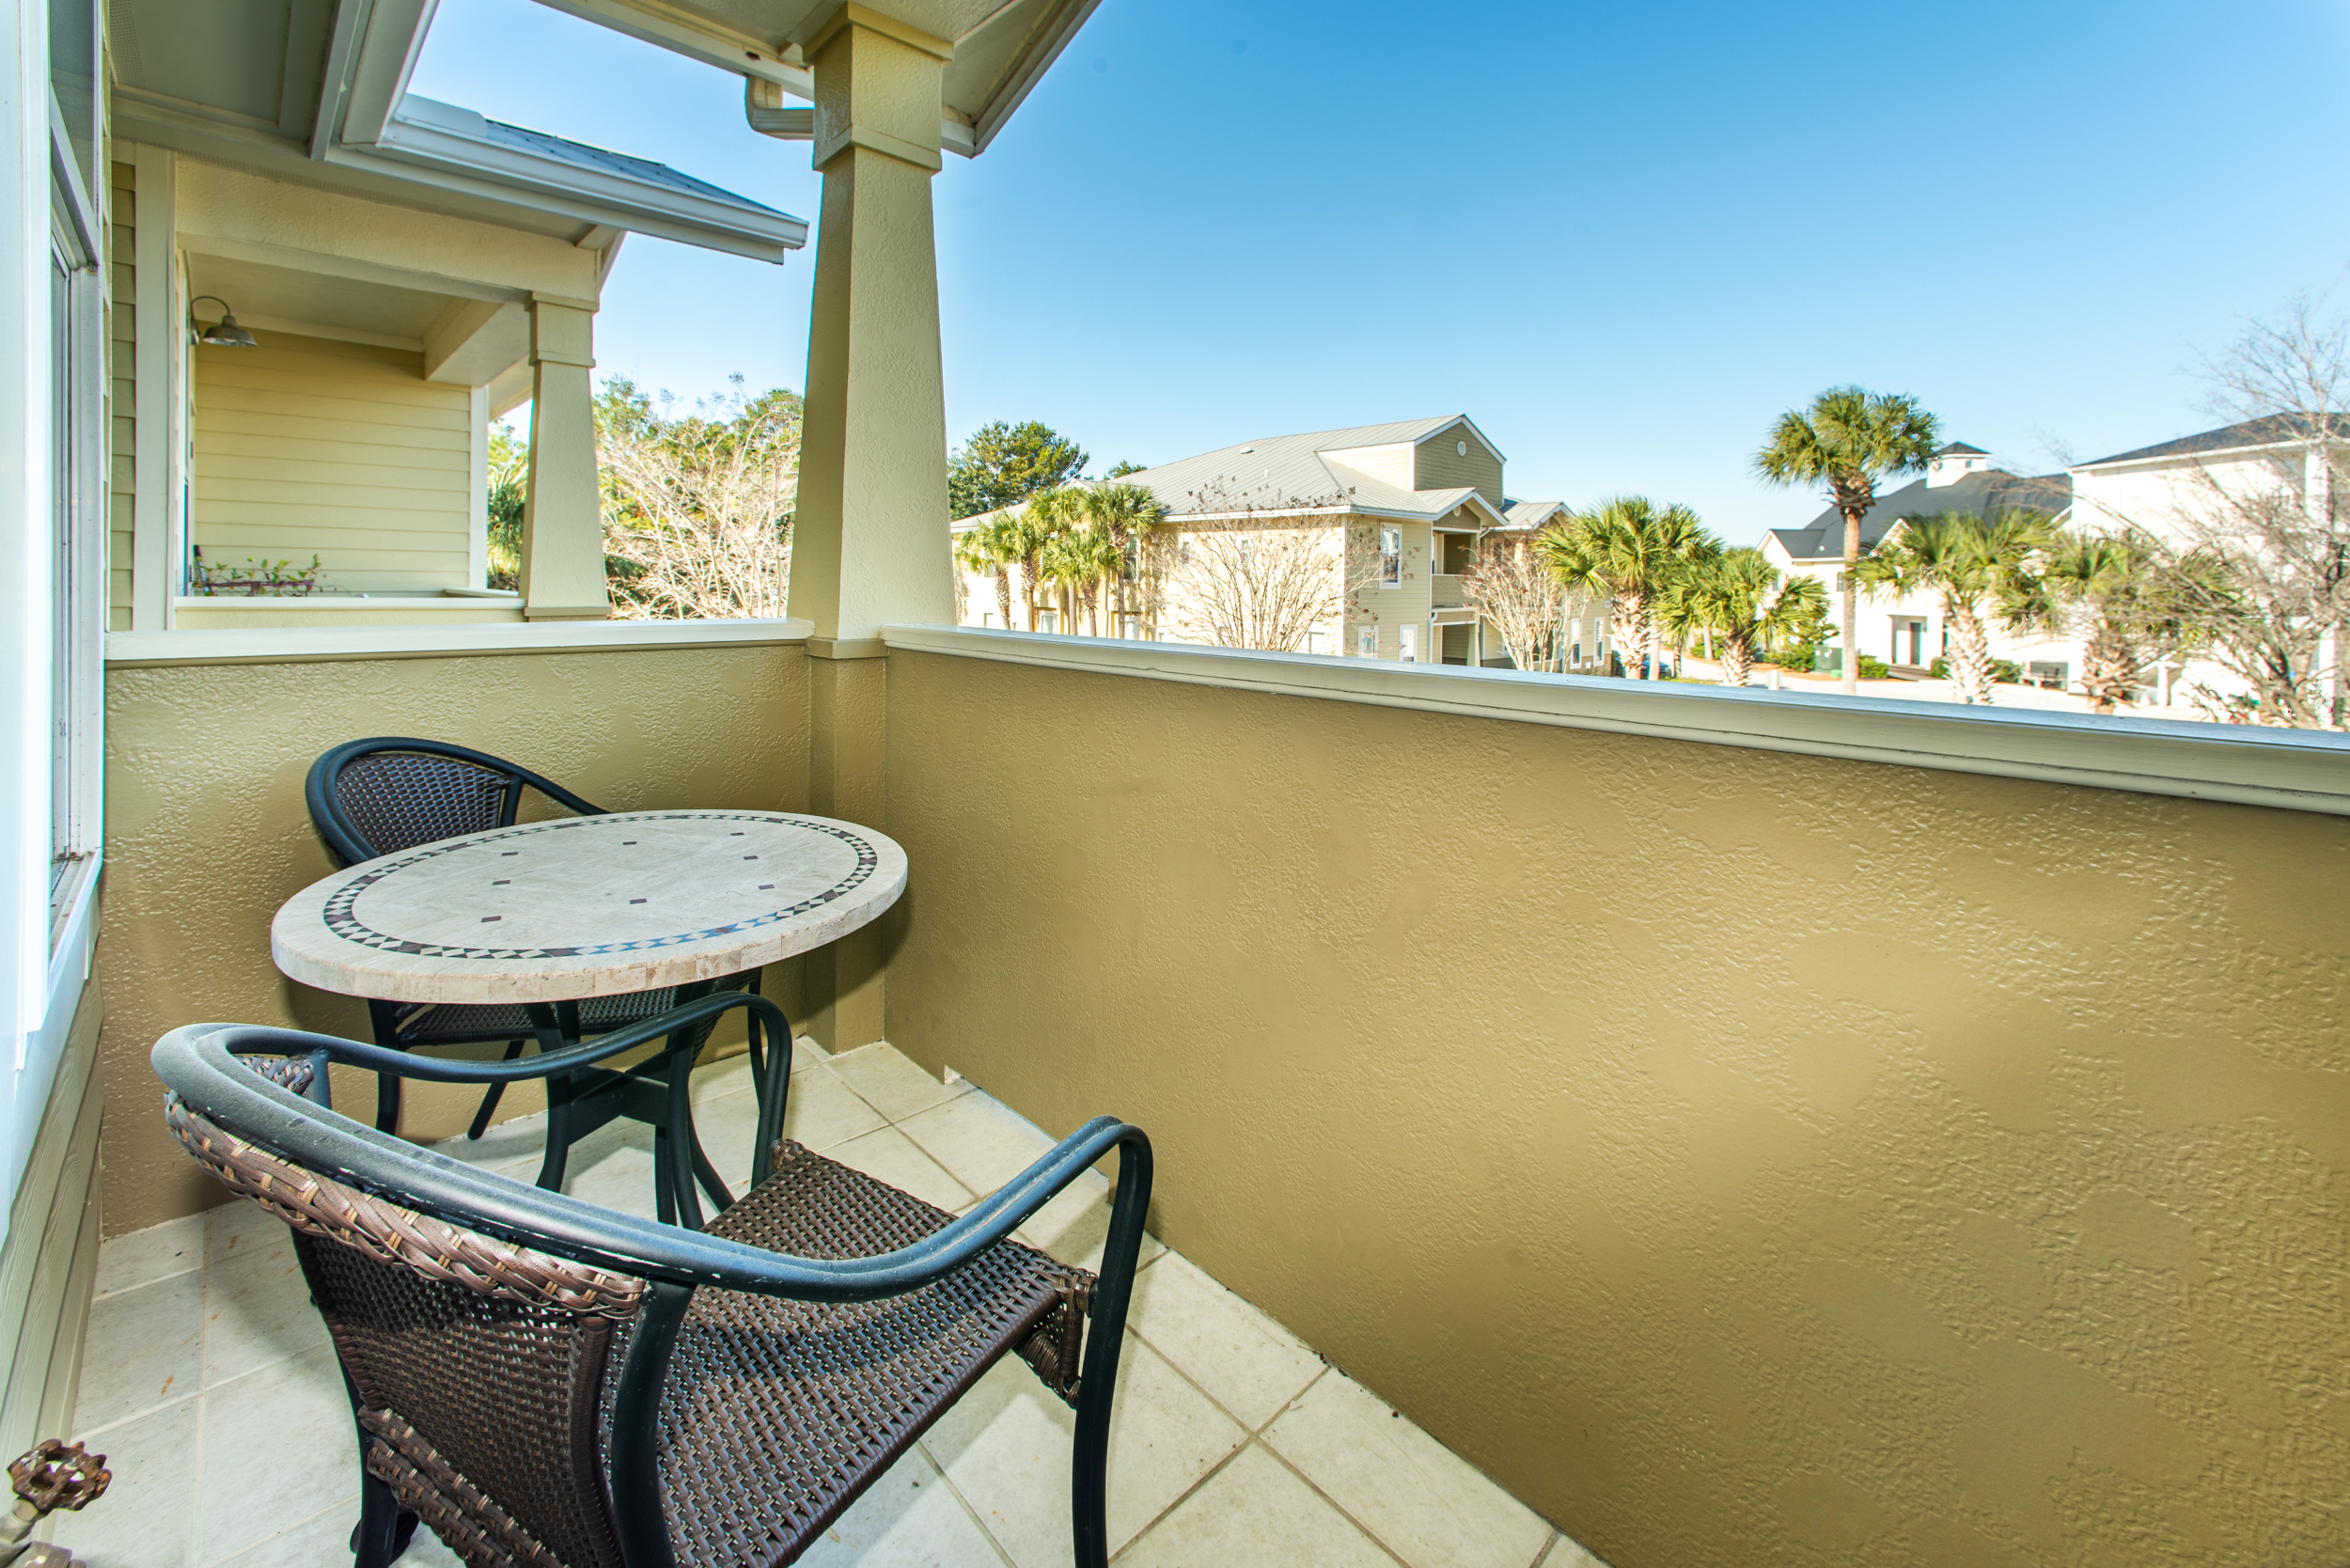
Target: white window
(1575, 657)
(1048, 620)
(1390, 557)
(1366, 642)
(1407, 644)
(1318, 642)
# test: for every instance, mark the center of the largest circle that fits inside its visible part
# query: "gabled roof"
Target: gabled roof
(588, 156)
(1289, 473)
(1960, 448)
(1984, 491)
(2275, 430)
(1529, 514)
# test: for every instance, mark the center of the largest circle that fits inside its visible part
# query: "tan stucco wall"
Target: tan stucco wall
(1799, 1162)
(207, 832)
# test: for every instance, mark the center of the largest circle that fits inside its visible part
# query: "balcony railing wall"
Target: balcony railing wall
(1745, 1157)
(207, 832)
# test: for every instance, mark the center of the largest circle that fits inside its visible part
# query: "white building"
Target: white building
(1909, 633)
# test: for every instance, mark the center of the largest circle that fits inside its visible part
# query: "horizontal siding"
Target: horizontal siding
(122, 437)
(1442, 468)
(48, 1263)
(341, 450)
(400, 468)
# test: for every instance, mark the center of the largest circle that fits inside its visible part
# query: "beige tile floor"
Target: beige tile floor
(211, 1386)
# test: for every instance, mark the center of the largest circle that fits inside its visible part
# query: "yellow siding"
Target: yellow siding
(121, 369)
(304, 446)
(1440, 468)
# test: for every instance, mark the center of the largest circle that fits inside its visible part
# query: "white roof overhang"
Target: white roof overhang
(1000, 50)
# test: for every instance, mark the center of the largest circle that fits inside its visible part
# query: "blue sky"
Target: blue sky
(1621, 236)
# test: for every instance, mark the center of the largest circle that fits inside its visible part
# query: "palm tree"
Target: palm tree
(1737, 597)
(1047, 515)
(2121, 592)
(1125, 513)
(1081, 561)
(1628, 551)
(1848, 439)
(1973, 566)
(991, 548)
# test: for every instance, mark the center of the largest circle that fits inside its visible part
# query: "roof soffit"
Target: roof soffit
(314, 91)
(1001, 48)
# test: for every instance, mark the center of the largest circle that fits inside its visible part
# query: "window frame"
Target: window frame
(74, 544)
(1390, 555)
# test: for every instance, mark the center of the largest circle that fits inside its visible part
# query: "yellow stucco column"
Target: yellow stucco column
(562, 551)
(869, 544)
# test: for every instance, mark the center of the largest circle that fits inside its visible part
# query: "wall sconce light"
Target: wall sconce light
(227, 333)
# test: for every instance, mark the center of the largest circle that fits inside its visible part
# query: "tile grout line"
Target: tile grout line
(1369, 1534)
(282, 1532)
(1185, 1496)
(970, 1509)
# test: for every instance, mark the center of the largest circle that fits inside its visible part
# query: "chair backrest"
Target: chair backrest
(479, 1365)
(382, 795)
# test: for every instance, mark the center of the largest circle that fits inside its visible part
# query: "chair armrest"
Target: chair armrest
(199, 1063)
(448, 1070)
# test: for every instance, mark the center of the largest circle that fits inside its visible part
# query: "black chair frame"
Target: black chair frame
(576, 1106)
(200, 1063)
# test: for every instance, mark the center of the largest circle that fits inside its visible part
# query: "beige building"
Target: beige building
(1396, 510)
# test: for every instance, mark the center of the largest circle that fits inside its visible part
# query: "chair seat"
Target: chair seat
(457, 1023)
(777, 1414)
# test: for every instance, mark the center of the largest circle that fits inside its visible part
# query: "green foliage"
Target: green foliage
(255, 579)
(1004, 465)
(697, 505)
(510, 474)
(1631, 553)
(2006, 672)
(1848, 439)
(1121, 469)
(1874, 668)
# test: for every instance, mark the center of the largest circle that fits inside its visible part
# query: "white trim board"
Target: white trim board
(2297, 770)
(330, 644)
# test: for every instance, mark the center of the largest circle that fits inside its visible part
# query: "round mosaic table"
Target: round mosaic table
(587, 906)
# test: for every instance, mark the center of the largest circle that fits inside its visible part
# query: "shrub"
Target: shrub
(1874, 669)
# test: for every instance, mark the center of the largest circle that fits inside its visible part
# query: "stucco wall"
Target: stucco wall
(206, 834)
(1799, 1162)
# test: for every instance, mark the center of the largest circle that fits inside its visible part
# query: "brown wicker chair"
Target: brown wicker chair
(551, 1385)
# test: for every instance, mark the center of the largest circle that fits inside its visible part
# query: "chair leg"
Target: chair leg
(385, 1529)
(490, 1099)
(1105, 1333)
(387, 1103)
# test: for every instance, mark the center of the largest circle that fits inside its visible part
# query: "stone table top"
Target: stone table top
(587, 906)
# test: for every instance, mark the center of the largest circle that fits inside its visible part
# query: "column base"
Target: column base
(567, 612)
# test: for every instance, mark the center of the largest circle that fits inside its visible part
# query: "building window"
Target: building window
(1048, 620)
(1390, 557)
(1407, 644)
(1576, 656)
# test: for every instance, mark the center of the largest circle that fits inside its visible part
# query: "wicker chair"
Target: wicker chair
(551, 1385)
(382, 796)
